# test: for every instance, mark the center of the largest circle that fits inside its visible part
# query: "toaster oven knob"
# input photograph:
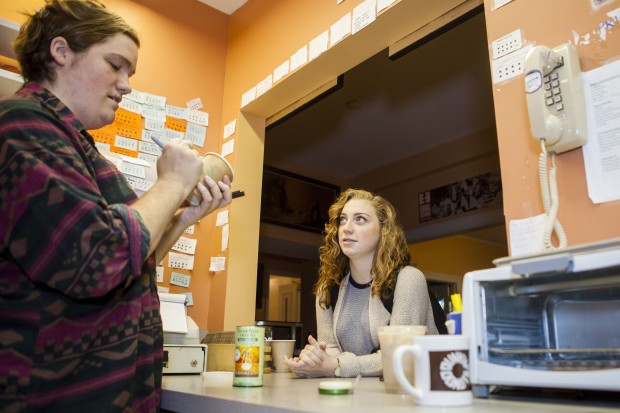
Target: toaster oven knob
(193, 363)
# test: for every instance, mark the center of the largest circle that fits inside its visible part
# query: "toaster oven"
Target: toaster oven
(550, 320)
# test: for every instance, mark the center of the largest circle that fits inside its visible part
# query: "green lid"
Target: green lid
(336, 387)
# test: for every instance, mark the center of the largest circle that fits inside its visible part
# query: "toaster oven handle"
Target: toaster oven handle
(556, 263)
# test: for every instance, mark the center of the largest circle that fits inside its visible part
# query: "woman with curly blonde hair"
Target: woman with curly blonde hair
(365, 261)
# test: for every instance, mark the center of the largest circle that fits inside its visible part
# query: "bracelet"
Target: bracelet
(337, 369)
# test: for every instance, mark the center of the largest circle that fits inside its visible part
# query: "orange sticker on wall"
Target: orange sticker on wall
(129, 131)
(104, 135)
(122, 151)
(179, 125)
(127, 118)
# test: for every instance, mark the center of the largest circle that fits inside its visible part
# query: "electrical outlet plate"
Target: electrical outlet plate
(507, 44)
(509, 66)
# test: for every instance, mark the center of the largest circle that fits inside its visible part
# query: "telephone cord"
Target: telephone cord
(551, 201)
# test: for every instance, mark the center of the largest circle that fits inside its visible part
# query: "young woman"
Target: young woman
(365, 262)
(80, 328)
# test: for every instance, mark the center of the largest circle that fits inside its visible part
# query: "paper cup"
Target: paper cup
(280, 348)
(390, 337)
(215, 166)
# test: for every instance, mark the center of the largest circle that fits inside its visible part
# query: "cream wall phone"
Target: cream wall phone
(555, 105)
(554, 93)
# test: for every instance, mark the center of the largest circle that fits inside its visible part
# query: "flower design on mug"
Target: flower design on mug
(454, 370)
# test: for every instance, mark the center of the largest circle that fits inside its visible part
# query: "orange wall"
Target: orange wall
(182, 57)
(191, 50)
(465, 254)
(550, 22)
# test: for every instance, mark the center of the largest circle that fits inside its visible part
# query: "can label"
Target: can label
(249, 354)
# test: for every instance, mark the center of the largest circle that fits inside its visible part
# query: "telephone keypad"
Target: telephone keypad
(553, 94)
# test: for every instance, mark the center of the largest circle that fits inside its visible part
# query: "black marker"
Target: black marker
(237, 194)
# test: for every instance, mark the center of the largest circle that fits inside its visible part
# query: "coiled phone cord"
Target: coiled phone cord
(551, 201)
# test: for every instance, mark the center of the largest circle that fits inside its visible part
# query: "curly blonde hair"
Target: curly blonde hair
(391, 255)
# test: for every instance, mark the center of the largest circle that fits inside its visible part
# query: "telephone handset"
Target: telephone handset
(555, 104)
(554, 93)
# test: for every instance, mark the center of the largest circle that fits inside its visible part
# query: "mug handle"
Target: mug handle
(399, 373)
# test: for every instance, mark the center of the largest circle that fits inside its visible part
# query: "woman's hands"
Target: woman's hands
(215, 195)
(313, 361)
(179, 166)
(161, 208)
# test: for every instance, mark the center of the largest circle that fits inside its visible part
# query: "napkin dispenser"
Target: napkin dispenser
(183, 353)
(185, 358)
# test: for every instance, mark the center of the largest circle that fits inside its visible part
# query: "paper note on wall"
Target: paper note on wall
(299, 58)
(230, 127)
(264, 85)
(526, 235)
(179, 279)
(217, 264)
(601, 154)
(182, 261)
(222, 218)
(186, 245)
(363, 15)
(384, 4)
(228, 147)
(499, 3)
(194, 104)
(281, 71)
(318, 45)
(248, 96)
(225, 237)
(198, 117)
(196, 134)
(340, 29)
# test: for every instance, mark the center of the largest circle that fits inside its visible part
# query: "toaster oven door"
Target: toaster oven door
(556, 322)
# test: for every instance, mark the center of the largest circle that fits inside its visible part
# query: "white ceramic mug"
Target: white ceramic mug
(441, 373)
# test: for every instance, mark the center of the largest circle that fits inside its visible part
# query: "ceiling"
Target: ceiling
(388, 110)
(225, 6)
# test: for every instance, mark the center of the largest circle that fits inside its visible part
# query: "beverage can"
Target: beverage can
(249, 355)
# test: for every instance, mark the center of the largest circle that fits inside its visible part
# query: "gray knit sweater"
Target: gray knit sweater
(411, 307)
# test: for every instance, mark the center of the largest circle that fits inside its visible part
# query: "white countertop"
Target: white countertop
(283, 392)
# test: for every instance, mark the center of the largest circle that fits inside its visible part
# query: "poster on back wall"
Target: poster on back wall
(460, 197)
